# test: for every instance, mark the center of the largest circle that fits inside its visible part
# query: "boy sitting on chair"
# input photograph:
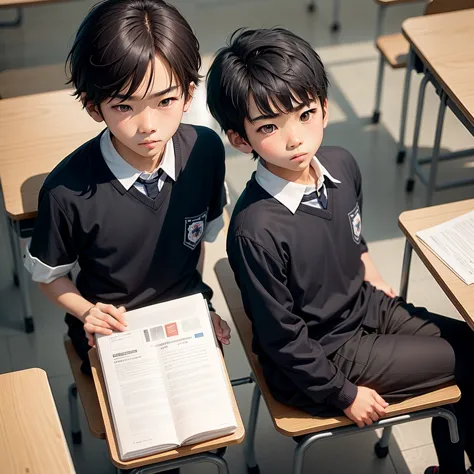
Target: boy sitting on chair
(133, 205)
(328, 331)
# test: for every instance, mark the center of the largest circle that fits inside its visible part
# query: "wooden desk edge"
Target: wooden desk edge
(417, 246)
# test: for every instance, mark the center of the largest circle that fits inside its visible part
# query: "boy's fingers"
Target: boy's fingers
(122, 309)
(116, 313)
(90, 328)
(225, 329)
(380, 410)
(380, 400)
(93, 321)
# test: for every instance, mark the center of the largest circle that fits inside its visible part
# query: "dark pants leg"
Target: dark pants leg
(412, 352)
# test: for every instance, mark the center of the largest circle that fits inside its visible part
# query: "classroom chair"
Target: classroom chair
(394, 51)
(91, 391)
(305, 429)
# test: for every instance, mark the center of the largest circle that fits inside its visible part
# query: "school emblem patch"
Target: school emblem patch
(356, 223)
(194, 229)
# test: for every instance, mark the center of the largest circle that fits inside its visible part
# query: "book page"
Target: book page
(197, 387)
(137, 394)
(453, 243)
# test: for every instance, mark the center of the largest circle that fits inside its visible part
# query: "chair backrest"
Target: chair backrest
(444, 6)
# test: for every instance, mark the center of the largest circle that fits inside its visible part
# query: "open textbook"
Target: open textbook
(165, 379)
(453, 243)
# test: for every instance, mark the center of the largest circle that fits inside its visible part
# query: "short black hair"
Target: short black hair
(119, 39)
(277, 67)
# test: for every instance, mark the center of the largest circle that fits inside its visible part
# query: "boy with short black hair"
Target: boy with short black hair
(133, 205)
(330, 334)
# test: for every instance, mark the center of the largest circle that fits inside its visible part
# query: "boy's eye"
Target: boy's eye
(267, 128)
(122, 108)
(306, 116)
(167, 102)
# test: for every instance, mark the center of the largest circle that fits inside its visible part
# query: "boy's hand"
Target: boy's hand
(103, 319)
(221, 328)
(367, 407)
(386, 288)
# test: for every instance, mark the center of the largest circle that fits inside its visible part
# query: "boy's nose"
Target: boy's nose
(293, 141)
(147, 124)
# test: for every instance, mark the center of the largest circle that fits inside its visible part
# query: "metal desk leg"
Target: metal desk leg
(436, 148)
(11, 234)
(403, 119)
(416, 134)
(336, 15)
(380, 18)
(406, 270)
(23, 279)
(378, 93)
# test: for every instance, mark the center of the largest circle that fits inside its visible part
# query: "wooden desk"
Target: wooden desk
(31, 437)
(36, 133)
(442, 42)
(460, 294)
(174, 454)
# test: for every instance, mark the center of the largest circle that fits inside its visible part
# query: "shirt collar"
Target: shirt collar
(286, 192)
(125, 173)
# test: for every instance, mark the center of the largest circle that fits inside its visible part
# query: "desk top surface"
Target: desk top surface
(460, 294)
(444, 43)
(31, 436)
(36, 133)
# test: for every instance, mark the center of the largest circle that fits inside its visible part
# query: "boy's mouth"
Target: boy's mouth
(299, 155)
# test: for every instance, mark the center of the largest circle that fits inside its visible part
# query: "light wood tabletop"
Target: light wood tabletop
(36, 133)
(235, 438)
(24, 3)
(31, 437)
(444, 43)
(460, 294)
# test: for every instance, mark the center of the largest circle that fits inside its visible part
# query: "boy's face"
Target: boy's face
(287, 142)
(142, 125)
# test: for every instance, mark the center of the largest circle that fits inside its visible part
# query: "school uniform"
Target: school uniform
(319, 329)
(135, 236)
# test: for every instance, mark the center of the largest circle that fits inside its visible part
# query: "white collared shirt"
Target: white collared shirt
(127, 175)
(289, 193)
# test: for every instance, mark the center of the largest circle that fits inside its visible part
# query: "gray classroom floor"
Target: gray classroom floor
(352, 62)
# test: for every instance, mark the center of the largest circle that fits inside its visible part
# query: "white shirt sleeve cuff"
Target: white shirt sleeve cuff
(43, 273)
(213, 228)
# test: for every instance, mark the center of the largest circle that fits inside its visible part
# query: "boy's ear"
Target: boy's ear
(238, 142)
(326, 114)
(92, 109)
(191, 90)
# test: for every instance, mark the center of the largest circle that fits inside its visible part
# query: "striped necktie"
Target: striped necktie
(320, 195)
(151, 185)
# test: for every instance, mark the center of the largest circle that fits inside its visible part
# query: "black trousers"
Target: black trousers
(410, 353)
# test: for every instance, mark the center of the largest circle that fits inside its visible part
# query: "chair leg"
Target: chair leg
(416, 134)
(74, 415)
(336, 14)
(380, 19)
(381, 447)
(378, 94)
(249, 448)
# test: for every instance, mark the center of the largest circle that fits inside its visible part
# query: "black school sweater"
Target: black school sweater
(302, 284)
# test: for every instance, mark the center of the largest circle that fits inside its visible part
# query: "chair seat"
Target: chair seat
(290, 421)
(87, 393)
(394, 49)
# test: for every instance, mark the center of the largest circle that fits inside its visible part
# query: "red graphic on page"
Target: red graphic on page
(171, 329)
